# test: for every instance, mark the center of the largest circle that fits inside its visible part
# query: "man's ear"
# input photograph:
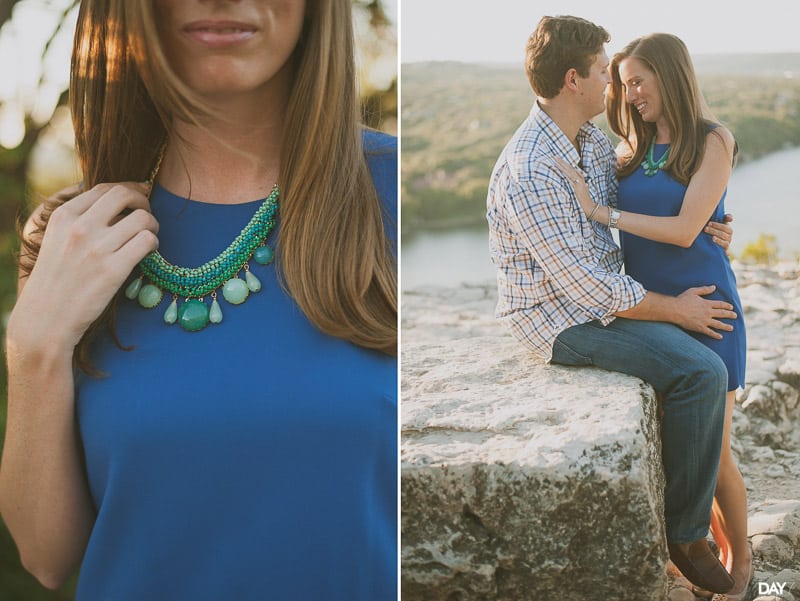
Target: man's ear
(570, 78)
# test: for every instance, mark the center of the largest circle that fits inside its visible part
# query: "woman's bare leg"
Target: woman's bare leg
(729, 514)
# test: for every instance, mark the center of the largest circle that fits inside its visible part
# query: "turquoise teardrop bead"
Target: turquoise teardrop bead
(150, 296)
(132, 291)
(235, 291)
(215, 315)
(263, 255)
(253, 283)
(171, 314)
(193, 315)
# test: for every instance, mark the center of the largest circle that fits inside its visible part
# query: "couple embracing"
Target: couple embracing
(674, 318)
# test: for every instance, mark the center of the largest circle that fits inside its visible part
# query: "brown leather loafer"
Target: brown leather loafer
(701, 566)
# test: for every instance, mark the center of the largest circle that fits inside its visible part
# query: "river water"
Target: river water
(763, 196)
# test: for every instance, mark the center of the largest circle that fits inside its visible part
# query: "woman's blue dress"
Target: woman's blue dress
(253, 460)
(670, 269)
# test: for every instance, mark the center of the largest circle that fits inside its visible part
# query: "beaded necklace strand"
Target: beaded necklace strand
(193, 284)
(650, 166)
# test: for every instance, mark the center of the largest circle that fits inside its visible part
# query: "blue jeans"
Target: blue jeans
(692, 381)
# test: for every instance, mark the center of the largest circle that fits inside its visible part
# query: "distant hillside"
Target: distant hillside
(756, 65)
(456, 117)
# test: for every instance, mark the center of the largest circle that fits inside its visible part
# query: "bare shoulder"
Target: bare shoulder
(720, 140)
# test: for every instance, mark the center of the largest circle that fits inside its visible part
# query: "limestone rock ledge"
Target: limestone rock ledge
(525, 481)
(440, 555)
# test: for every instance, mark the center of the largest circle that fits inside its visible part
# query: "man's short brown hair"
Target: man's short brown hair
(557, 45)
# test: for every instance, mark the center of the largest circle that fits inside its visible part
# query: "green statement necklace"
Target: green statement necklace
(650, 166)
(193, 284)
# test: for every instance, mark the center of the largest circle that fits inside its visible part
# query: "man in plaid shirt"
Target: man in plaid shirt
(561, 292)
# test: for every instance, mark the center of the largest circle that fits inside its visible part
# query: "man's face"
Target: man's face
(594, 86)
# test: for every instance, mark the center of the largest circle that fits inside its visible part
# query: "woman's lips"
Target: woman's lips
(218, 34)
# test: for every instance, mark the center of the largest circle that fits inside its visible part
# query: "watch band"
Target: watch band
(613, 218)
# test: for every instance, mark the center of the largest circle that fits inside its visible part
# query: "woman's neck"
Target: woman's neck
(231, 157)
(663, 134)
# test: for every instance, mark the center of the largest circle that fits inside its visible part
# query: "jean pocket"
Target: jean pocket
(565, 355)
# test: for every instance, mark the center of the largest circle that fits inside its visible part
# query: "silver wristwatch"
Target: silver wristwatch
(613, 218)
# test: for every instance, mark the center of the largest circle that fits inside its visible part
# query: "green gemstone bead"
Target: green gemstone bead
(263, 255)
(171, 315)
(215, 315)
(235, 291)
(197, 282)
(253, 283)
(132, 291)
(193, 315)
(150, 296)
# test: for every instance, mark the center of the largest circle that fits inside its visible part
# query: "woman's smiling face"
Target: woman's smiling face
(641, 87)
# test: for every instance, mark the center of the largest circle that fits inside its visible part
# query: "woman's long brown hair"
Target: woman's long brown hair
(334, 256)
(685, 109)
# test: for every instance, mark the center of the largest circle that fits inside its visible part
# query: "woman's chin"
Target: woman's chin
(232, 78)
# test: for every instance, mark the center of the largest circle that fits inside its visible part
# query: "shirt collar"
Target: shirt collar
(561, 144)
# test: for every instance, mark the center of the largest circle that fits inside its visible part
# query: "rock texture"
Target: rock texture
(498, 449)
(521, 481)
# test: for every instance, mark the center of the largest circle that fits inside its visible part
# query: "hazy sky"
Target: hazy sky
(481, 31)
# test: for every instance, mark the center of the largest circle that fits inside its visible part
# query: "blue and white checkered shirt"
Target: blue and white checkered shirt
(555, 268)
